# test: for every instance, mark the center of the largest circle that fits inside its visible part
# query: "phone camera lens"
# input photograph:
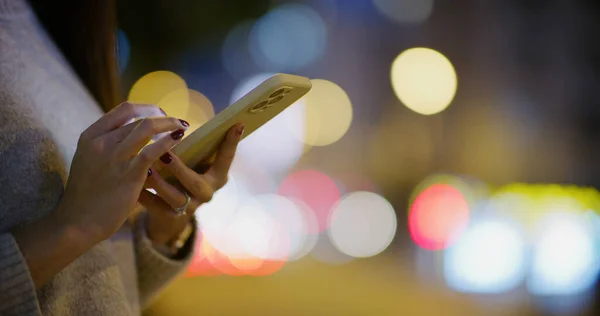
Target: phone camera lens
(260, 107)
(276, 99)
(277, 93)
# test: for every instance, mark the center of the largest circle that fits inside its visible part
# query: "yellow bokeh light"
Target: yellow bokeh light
(189, 105)
(328, 114)
(424, 80)
(154, 86)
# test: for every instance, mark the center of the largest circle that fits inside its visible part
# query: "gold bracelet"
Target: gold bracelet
(182, 238)
(172, 248)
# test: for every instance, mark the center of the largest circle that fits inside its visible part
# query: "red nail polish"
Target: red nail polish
(184, 123)
(240, 129)
(166, 158)
(149, 172)
(178, 134)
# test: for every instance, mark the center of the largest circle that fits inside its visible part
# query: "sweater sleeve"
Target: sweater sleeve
(155, 271)
(17, 290)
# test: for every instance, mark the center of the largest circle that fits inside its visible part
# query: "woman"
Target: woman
(67, 246)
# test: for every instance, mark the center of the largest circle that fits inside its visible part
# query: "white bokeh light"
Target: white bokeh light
(254, 231)
(565, 258)
(215, 217)
(292, 222)
(363, 224)
(266, 226)
(273, 146)
(310, 225)
(288, 38)
(488, 258)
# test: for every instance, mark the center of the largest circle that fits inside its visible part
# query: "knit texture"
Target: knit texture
(43, 110)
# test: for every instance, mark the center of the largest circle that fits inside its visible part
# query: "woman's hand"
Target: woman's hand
(111, 165)
(164, 224)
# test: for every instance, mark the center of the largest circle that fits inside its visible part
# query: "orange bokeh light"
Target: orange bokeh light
(438, 216)
(200, 265)
(220, 261)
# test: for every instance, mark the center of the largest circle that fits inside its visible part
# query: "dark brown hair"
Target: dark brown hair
(85, 32)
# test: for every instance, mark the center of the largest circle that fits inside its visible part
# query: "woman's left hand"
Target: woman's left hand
(164, 224)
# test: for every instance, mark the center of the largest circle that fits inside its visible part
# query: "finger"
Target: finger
(119, 116)
(154, 203)
(197, 185)
(226, 153)
(169, 193)
(119, 134)
(142, 134)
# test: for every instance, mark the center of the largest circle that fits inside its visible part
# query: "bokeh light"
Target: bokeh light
(488, 258)
(565, 257)
(247, 84)
(317, 190)
(273, 146)
(220, 261)
(327, 114)
(288, 38)
(154, 86)
(517, 205)
(190, 105)
(214, 218)
(200, 265)
(424, 80)
(437, 216)
(123, 50)
(254, 178)
(363, 224)
(311, 225)
(292, 225)
(234, 54)
(405, 11)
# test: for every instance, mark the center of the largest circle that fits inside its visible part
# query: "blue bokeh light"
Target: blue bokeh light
(565, 259)
(123, 50)
(288, 38)
(488, 258)
(235, 56)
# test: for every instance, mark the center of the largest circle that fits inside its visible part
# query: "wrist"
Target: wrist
(171, 245)
(80, 236)
(163, 230)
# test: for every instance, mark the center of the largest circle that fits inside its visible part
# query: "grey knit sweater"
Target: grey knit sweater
(43, 109)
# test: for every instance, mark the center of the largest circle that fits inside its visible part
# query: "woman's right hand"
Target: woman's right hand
(110, 167)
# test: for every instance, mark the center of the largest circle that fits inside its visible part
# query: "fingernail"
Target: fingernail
(177, 134)
(166, 158)
(240, 130)
(149, 172)
(163, 112)
(184, 123)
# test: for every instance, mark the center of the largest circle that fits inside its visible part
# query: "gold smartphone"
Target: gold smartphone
(254, 109)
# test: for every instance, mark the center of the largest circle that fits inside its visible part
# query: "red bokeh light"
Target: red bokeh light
(317, 190)
(437, 216)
